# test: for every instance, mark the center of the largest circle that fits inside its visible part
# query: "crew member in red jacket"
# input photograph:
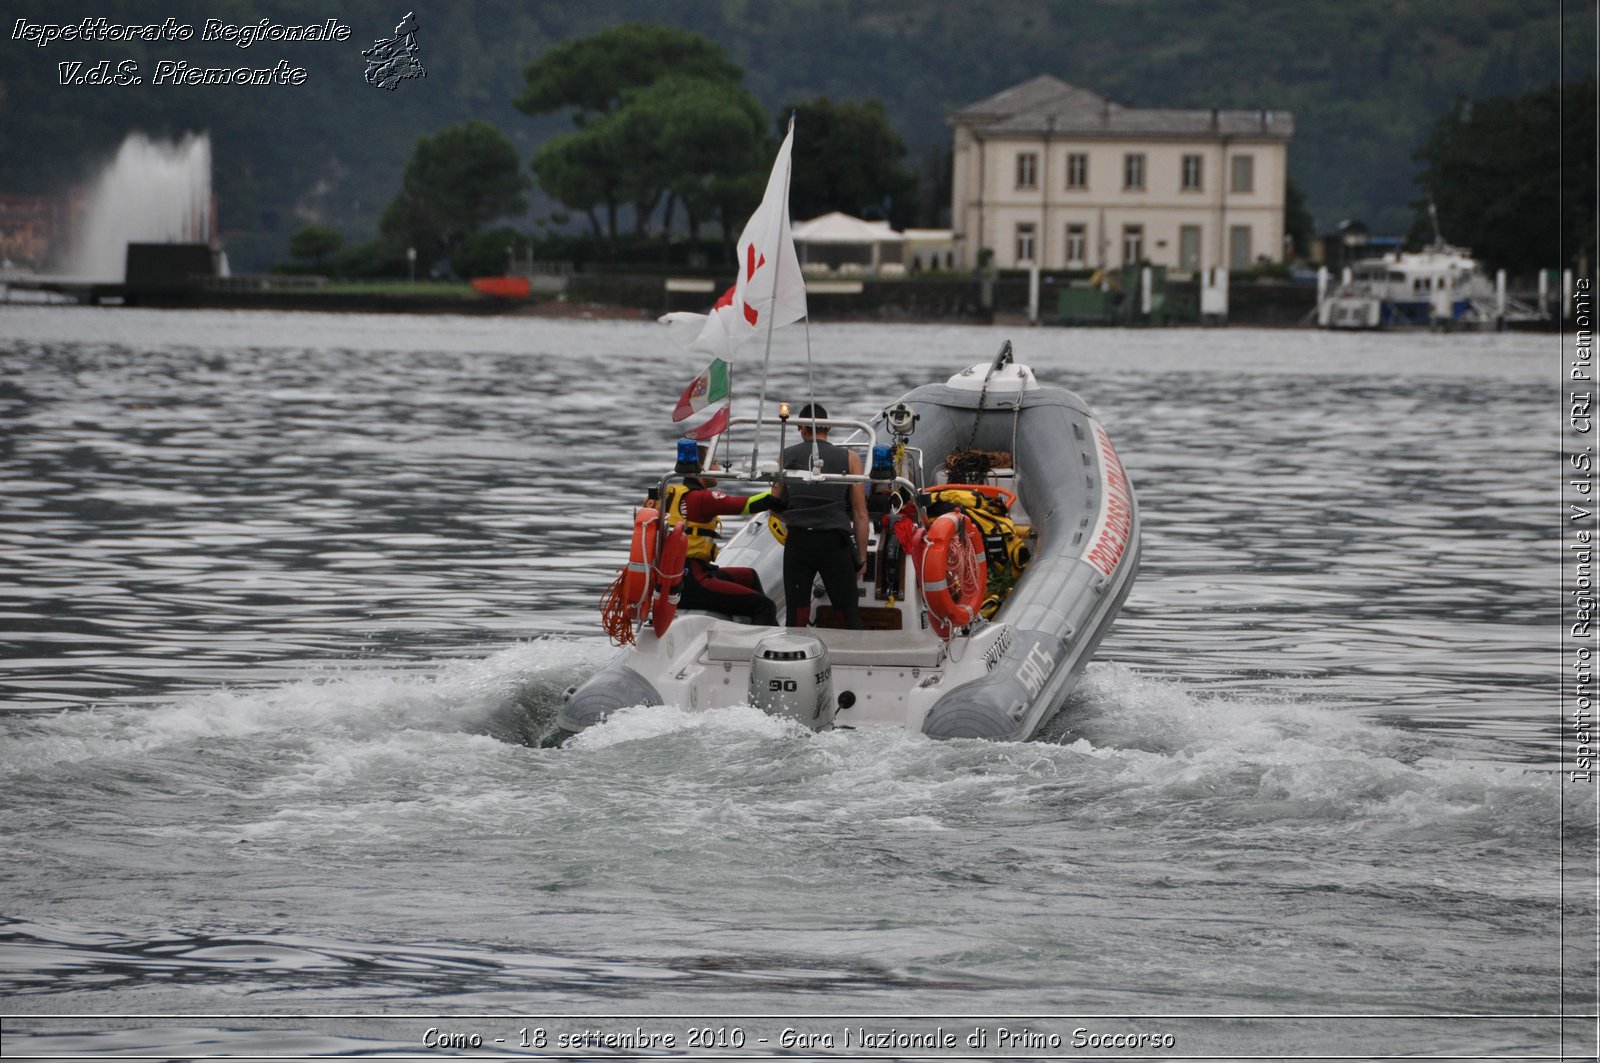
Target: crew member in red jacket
(698, 507)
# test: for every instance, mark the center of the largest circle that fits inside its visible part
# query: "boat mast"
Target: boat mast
(777, 275)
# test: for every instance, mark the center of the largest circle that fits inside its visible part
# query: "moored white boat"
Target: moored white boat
(1438, 287)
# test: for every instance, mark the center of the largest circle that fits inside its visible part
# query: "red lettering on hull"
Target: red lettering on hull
(1109, 539)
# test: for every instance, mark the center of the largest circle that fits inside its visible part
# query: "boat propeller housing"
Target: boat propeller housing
(790, 675)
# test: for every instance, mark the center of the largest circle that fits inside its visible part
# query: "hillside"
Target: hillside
(1365, 78)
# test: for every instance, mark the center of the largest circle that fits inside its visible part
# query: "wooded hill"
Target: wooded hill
(1366, 79)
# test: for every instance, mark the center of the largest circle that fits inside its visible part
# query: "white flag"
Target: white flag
(769, 291)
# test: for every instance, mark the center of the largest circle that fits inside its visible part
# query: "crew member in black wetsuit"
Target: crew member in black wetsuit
(734, 591)
(827, 525)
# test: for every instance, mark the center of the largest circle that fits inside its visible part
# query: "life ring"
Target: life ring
(669, 579)
(954, 573)
(638, 578)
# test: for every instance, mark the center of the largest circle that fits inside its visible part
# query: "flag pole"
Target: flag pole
(777, 272)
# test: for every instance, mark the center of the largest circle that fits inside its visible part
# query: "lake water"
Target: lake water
(288, 600)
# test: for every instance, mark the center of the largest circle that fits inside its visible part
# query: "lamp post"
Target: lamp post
(411, 261)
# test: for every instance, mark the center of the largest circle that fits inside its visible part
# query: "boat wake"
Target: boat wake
(511, 696)
(378, 757)
(352, 810)
(1264, 760)
(1131, 748)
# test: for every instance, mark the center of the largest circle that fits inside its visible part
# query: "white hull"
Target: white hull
(1000, 679)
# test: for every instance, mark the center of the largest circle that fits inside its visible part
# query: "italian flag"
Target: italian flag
(707, 389)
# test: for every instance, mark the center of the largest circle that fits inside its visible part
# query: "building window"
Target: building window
(1189, 247)
(1132, 244)
(1239, 247)
(1025, 233)
(1077, 170)
(1193, 173)
(1133, 171)
(1244, 173)
(1027, 169)
(1077, 243)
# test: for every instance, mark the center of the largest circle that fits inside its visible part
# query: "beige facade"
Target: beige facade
(1056, 175)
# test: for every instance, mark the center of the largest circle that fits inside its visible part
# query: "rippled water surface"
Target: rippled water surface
(287, 601)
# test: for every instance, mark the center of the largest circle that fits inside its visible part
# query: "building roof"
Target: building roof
(1046, 104)
(839, 228)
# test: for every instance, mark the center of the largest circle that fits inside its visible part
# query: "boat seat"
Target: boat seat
(728, 617)
(880, 649)
(873, 617)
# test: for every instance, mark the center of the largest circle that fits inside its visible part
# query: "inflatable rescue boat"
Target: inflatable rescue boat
(1005, 537)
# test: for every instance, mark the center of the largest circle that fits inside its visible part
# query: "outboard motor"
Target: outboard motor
(790, 676)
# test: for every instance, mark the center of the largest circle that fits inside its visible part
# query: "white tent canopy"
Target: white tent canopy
(838, 228)
(836, 238)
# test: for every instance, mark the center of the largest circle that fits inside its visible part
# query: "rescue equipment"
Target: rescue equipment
(1001, 499)
(669, 579)
(1005, 543)
(954, 574)
(702, 534)
(628, 599)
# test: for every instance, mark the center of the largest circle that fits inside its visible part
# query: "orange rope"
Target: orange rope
(964, 566)
(614, 614)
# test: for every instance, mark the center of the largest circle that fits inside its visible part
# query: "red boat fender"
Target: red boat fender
(669, 578)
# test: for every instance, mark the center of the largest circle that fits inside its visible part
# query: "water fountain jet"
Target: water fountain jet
(152, 192)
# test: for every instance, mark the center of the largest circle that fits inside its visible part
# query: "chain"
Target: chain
(983, 396)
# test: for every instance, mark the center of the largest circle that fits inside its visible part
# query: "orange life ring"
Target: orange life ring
(638, 578)
(954, 572)
(669, 578)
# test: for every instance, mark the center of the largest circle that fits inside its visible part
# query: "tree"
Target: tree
(709, 144)
(593, 74)
(660, 115)
(1512, 177)
(854, 162)
(316, 244)
(458, 180)
(582, 170)
(487, 253)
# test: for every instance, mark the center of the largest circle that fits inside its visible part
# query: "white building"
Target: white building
(1056, 175)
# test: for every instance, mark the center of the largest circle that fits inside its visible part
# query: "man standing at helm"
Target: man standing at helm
(826, 522)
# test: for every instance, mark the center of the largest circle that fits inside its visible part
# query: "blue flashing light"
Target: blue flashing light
(688, 458)
(882, 462)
